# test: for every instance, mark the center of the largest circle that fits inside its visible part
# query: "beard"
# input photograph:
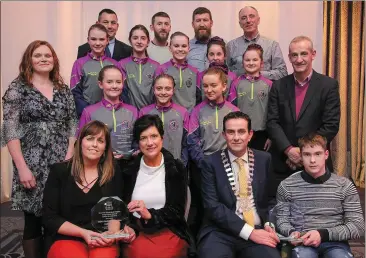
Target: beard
(160, 38)
(202, 36)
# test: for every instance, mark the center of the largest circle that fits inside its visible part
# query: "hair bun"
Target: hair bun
(221, 66)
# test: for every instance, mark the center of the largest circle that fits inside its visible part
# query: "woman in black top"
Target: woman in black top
(73, 188)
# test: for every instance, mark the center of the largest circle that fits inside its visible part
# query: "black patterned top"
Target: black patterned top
(43, 128)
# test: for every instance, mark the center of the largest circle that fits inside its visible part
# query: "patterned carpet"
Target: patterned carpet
(12, 225)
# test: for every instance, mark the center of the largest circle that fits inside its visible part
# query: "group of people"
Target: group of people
(222, 121)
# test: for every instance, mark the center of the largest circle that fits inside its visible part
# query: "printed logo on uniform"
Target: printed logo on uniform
(150, 76)
(173, 125)
(204, 123)
(125, 125)
(189, 82)
(261, 95)
(241, 94)
(92, 73)
(131, 75)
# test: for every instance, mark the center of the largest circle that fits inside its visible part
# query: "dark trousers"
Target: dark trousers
(219, 245)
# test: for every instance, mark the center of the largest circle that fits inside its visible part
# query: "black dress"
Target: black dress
(64, 201)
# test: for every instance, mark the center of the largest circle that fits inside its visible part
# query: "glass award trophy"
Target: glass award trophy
(289, 215)
(121, 140)
(109, 216)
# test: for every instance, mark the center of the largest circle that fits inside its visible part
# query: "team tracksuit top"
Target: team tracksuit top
(250, 95)
(114, 116)
(230, 78)
(139, 74)
(175, 120)
(205, 129)
(187, 91)
(84, 80)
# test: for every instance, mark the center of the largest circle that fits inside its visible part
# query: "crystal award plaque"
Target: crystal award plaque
(121, 139)
(110, 215)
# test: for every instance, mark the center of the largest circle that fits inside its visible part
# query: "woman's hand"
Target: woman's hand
(117, 156)
(94, 239)
(27, 178)
(130, 238)
(69, 155)
(139, 207)
(136, 153)
(87, 236)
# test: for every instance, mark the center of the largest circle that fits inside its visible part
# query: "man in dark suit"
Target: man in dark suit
(301, 103)
(234, 196)
(115, 49)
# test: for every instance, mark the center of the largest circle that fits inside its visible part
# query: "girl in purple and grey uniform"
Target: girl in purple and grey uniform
(138, 70)
(249, 92)
(205, 123)
(111, 110)
(175, 118)
(84, 83)
(187, 92)
(216, 55)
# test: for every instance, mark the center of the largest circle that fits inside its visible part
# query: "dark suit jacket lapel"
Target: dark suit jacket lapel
(117, 50)
(290, 85)
(309, 93)
(223, 176)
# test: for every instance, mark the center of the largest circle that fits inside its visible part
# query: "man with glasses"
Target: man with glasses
(115, 49)
(274, 66)
(301, 103)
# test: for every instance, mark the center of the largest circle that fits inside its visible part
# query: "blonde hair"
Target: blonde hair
(105, 165)
(303, 38)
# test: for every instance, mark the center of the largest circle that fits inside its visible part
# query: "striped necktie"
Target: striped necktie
(245, 192)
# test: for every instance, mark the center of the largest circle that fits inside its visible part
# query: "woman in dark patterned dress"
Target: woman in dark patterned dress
(38, 128)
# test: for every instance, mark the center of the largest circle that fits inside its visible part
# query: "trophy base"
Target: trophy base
(113, 236)
(289, 239)
(126, 155)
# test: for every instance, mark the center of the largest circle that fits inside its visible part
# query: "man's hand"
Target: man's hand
(263, 237)
(295, 234)
(267, 145)
(294, 155)
(312, 238)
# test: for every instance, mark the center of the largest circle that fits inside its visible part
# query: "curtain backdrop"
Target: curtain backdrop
(344, 59)
(65, 24)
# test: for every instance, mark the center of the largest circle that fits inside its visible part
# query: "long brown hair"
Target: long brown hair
(26, 68)
(105, 166)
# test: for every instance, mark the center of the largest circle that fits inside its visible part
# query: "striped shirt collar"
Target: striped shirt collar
(307, 79)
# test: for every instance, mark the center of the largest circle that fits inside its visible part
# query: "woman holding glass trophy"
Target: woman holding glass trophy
(155, 188)
(83, 196)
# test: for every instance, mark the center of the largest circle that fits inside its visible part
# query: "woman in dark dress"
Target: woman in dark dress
(38, 128)
(73, 188)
